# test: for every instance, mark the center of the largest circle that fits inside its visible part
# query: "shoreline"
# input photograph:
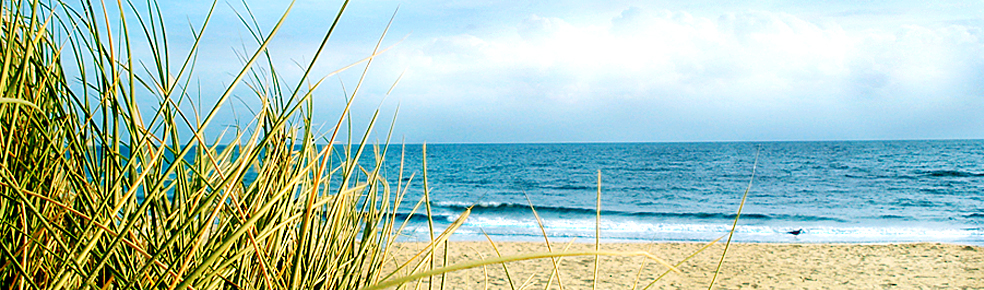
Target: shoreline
(470, 237)
(747, 265)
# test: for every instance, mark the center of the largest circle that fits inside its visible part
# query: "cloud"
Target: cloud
(538, 29)
(747, 74)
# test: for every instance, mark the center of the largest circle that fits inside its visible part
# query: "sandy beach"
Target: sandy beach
(747, 266)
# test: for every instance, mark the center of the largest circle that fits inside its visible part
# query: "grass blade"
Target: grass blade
(734, 226)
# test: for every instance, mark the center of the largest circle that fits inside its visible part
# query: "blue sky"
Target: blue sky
(630, 71)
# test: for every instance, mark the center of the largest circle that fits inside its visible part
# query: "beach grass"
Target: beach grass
(100, 193)
(101, 190)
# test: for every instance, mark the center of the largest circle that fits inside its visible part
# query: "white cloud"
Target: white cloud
(538, 29)
(694, 70)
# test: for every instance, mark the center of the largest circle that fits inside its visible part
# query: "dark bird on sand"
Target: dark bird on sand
(796, 232)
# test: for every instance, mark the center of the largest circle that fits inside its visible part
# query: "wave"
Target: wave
(975, 215)
(950, 173)
(629, 230)
(568, 187)
(522, 210)
(464, 205)
(894, 217)
(915, 203)
(516, 222)
(420, 217)
(917, 174)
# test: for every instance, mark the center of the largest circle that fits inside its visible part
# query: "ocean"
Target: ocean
(850, 192)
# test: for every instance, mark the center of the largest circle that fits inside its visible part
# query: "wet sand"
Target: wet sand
(747, 266)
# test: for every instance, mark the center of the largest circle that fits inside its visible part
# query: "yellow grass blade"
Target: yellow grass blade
(20, 102)
(498, 254)
(677, 265)
(734, 226)
(594, 281)
(546, 240)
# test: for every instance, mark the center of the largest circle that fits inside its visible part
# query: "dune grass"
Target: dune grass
(98, 192)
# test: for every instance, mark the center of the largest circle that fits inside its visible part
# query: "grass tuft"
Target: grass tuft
(109, 181)
(100, 193)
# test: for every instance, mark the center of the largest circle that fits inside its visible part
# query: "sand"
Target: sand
(747, 266)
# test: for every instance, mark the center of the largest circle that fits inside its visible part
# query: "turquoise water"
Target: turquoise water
(866, 191)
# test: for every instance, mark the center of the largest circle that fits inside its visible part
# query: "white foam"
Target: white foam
(635, 229)
(467, 204)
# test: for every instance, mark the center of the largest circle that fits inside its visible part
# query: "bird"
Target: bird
(796, 232)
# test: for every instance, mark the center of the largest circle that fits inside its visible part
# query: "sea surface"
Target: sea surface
(855, 192)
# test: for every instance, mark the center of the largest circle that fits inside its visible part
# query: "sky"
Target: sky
(622, 71)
